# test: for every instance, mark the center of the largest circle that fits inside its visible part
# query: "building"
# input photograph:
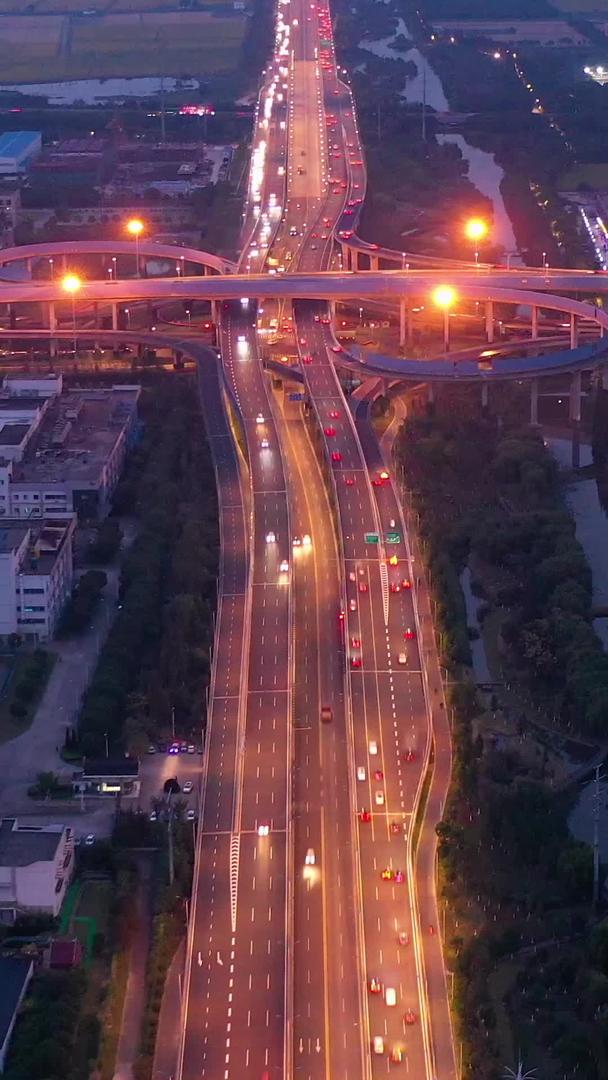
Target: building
(36, 575)
(62, 452)
(108, 777)
(18, 149)
(73, 163)
(36, 867)
(15, 974)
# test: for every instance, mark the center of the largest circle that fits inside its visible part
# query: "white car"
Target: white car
(352, 605)
(360, 772)
(373, 746)
(259, 419)
(187, 787)
(352, 576)
(190, 815)
(263, 829)
(402, 658)
(271, 537)
(89, 840)
(390, 995)
(310, 857)
(284, 567)
(306, 541)
(297, 541)
(379, 797)
(264, 444)
(378, 1044)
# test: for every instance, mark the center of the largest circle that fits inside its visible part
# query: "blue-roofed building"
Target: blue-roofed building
(17, 150)
(15, 974)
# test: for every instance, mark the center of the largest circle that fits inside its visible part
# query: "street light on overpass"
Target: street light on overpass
(444, 297)
(476, 230)
(72, 284)
(135, 228)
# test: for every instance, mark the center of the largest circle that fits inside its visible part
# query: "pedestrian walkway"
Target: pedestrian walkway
(169, 1021)
(135, 993)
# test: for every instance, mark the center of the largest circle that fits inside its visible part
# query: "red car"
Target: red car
(348, 480)
(408, 755)
(356, 662)
(405, 584)
(399, 877)
(364, 815)
(395, 587)
(409, 634)
(330, 432)
(410, 1016)
(334, 414)
(363, 586)
(356, 644)
(378, 775)
(307, 359)
(336, 455)
(375, 986)
(377, 482)
(336, 348)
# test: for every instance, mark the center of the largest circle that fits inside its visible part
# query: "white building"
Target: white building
(36, 575)
(36, 867)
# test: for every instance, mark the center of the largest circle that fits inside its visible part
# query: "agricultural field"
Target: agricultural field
(53, 48)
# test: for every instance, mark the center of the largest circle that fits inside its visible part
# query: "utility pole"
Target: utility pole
(424, 102)
(173, 721)
(170, 832)
(596, 836)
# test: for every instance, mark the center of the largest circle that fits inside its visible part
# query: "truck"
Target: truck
(327, 714)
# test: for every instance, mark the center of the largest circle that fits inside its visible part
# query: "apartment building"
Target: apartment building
(36, 867)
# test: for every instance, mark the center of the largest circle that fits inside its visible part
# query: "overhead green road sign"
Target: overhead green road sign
(372, 538)
(393, 538)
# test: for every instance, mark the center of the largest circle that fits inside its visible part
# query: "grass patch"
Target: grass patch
(112, 1015)
(12, 724)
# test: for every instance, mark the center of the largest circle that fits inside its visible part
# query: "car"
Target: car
(260, 419)
(379, 798)
(151, 749)
(378, 1044)
(336, 455)
(310, 858)
(352, 576)
(297, 541)
(334, 414)
(307, 359)
(390, 996)
(191, 815)
(409, 634)
(407, 756)
(191, 748)
(361, 774)
(372, 747)
(402, 658)
(378, 774)
(396, 827)
(349, 481)
(403, 937)
(352, 605)
(387, 874)
(409, 1016)
(263, 828)
(406, 584)
(264, 444)
(153, 816)
(173, 749)
(306, 541)
(393, 560)
(377, 482)
(355, 642)
(283, 566)
(384, 475)
(363, 586)
(317, 318)
(302, 341)
(375, 986)
(330, 432)
(395, 587)
(271, 537)
(336, 348)
(396, 1055)
(355, 662)
(89, 839)
(364, 815)
(399, 877)
(187, 787)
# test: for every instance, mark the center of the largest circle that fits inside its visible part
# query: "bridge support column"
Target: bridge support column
(430, 393)
(573, 331)
(402, 317)
(332, 310)
(604, 377)
(64, 263)
(484, 395)
(115, 316)
(489, 321)
(575, 397)
(52, 328)
(534, 402)
(214, 312)
(373, 262)
(28, 266)
(534, 323)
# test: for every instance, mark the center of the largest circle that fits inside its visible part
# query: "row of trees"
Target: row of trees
(155, 663)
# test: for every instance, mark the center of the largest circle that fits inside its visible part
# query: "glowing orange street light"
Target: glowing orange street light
(71, 283)
(444, 297)
(476, 229)
(135, 228)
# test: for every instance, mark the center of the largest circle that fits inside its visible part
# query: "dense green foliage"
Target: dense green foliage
(83, 602)
(156, 657)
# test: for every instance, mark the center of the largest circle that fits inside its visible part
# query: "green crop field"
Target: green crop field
(196, 43)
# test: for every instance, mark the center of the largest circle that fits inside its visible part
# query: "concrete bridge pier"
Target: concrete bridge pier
(430, 393)
(489, 321)
(52, 327)
(373, 262)
(575, 398)
(534, 402)
(402, 318)
(573, 331)
(485, 395)
(534, 323)
(115, 316)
